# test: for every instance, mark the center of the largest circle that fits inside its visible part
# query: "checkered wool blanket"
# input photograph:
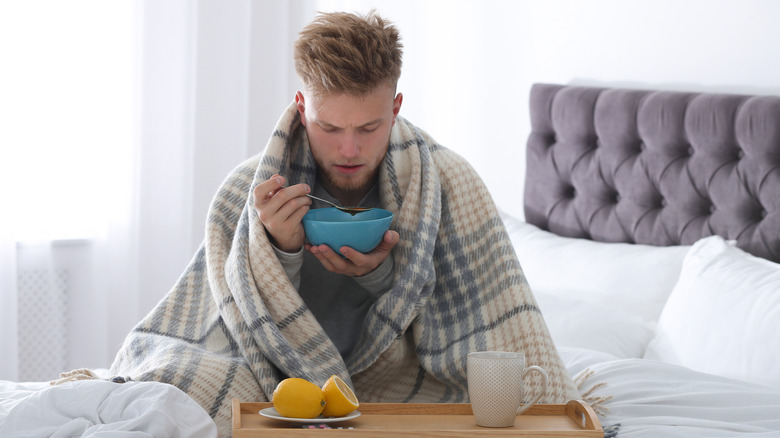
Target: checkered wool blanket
(233, 325)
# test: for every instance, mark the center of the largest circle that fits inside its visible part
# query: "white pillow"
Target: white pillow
(574, 323)
(636, 279)
(723, 316)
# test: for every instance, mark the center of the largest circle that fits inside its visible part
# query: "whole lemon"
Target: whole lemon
(298, 398)
(340, 400)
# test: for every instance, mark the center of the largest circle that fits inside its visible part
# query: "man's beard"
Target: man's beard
(349, 185)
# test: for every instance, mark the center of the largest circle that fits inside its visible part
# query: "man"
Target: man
(258, 304)
(347, 119)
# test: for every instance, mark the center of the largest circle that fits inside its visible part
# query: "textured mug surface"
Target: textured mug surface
(495, 385)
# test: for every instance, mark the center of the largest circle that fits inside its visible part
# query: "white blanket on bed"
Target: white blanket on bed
(655, 399)
(92, 408)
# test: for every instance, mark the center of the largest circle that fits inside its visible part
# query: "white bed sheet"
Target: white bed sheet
(657, 399)
(99, 408)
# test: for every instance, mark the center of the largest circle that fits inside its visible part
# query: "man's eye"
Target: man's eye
(369, 129)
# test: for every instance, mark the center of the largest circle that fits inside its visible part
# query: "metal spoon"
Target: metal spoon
(351, 210)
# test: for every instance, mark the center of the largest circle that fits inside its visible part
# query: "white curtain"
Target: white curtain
(120, 120)
(67, 238)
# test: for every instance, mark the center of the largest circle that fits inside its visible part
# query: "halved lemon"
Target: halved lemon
(340, 400)
(298, 398)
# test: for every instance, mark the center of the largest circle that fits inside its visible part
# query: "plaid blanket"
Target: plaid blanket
(233, 326)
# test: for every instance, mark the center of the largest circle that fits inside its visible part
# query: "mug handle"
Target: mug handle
(538, 397)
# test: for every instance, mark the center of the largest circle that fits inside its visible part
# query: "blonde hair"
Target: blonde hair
(346, 53)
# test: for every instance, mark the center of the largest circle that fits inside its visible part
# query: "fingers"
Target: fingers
(281, 210)
(267, 189)
(389, 240)
(293, 205)
(355, 263)
(272, 200)
(330, 260)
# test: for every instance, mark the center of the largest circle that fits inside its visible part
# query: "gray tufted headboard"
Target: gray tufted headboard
(654, 167)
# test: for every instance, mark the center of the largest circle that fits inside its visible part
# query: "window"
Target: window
(67, 116)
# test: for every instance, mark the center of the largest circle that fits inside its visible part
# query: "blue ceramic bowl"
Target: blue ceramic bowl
(335, 228)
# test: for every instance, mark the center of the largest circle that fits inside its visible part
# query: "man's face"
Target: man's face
(349, 136)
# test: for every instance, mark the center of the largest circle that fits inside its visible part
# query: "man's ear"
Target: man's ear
(399, 99)
(301, 105)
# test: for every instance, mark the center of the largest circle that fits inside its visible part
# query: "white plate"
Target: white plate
(271, 413)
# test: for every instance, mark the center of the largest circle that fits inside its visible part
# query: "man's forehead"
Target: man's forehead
(343, 110)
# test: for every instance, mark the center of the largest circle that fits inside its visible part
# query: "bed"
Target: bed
(651, 239)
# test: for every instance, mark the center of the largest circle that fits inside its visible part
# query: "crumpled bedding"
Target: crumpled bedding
(99, 408)
(656, 399)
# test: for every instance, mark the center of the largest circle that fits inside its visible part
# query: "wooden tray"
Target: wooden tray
(574, 419)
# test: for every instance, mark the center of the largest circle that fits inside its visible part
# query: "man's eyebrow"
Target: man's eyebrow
(330, 125)
(372, 122)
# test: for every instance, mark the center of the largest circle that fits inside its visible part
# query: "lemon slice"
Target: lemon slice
(298, 398)
(340, 400)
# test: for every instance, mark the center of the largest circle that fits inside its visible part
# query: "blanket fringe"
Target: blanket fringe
(612, 431)
(595, 402)
(71, 376)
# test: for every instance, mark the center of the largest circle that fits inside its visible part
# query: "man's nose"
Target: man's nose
(349, 146)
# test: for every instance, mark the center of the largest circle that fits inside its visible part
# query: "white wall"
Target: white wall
(470, 64)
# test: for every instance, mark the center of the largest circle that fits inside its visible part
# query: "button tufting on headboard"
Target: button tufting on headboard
(655, 167)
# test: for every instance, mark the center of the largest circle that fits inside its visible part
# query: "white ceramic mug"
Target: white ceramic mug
(495, 382)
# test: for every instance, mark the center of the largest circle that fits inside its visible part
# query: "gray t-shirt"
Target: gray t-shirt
(339, 302)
